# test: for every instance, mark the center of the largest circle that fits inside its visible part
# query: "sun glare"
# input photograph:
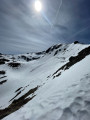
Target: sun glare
(38, 6)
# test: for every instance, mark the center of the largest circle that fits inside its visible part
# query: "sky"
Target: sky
(23, 29)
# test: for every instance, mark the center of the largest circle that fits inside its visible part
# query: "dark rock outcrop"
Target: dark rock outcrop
(25, 58)
(14, 64)
(3, 60)
(76, 42)
(53, 48)
(2, 72)
(18, 103)
(56, 53)
(73, 60)
(2, 82)
(40, 53)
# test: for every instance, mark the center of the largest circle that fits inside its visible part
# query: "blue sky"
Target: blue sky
(24, 30)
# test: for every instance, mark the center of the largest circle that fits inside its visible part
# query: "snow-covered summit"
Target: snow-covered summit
(49, 85)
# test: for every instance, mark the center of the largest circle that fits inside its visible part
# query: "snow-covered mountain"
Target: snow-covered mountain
(49, 85)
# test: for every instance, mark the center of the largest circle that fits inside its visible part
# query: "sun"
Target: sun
(38, 6)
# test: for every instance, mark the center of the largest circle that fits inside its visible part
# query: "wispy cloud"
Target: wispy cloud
(24, 30)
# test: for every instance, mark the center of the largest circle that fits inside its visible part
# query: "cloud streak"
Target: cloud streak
(24, 30)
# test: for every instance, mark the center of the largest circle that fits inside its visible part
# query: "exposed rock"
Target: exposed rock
(2, 72)
(18, 89)
(5, 60)
(25, 58)
(35, 58)
(73, 60)
(64, 49)
(56, 53)
(40, 53)
(3, 82)
(29, 59)
(52, 48)
(18, 103)
(13, 64)
(48, 50)
(3, 77)
(76, 42)
(2, 62)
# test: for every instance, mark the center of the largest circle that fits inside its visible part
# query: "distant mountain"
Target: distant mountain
(49, 85)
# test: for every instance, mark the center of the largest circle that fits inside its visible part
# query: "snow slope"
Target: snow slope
(46, 85)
